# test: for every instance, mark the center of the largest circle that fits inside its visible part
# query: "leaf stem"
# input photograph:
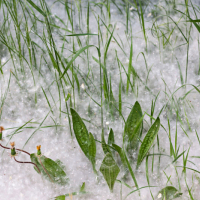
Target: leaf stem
(16, 149)
(28, 163)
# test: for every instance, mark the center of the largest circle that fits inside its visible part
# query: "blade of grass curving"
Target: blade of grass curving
(143, 24)
(81, 34)
(138, 190)
(47, 100)
(36, 7)
(4, 96)
(114, 38)
(36, 129)
(74, 58)
(197, 137)
(130, 169)
(129, 66)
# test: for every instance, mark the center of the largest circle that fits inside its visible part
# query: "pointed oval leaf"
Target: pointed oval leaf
(55, 172)
(81, 132)
(110, 170)
(133, 126)
(169, 193)
(148, 141)
(111, 138)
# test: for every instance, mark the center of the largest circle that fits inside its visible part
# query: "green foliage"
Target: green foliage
(169, 193)
(110, 170)
(111, 138)
(81, 132)
(104, 145)
(54, 170)
(86, 141)
(148, 141)
(133, 127)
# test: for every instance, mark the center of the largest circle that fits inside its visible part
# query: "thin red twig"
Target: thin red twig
(15, 149)
(28, 163)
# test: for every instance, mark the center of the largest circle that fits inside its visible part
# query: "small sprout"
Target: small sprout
(68, 96)
(38, 150)
(1, 130)
(13, 152)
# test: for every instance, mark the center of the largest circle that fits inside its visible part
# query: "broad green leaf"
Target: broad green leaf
(110, 170)
(168, 193)
(133, 126)
(86, 141)
(81, 132)
(148, 141)
(92, 150)
(111, 138)
(55, 172)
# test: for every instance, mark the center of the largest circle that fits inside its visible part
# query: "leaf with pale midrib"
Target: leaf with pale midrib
(133, 126)
(148, 141)
(54, 170)
(86, 141)
(110, 170)
(81, 132)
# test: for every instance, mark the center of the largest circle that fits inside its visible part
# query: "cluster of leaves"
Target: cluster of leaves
(54, 170)
(131, 138)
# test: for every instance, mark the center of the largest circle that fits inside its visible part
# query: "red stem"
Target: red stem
(15, 149)
(27, 163)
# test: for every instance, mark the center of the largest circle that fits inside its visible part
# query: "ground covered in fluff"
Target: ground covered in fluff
(50, 62)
